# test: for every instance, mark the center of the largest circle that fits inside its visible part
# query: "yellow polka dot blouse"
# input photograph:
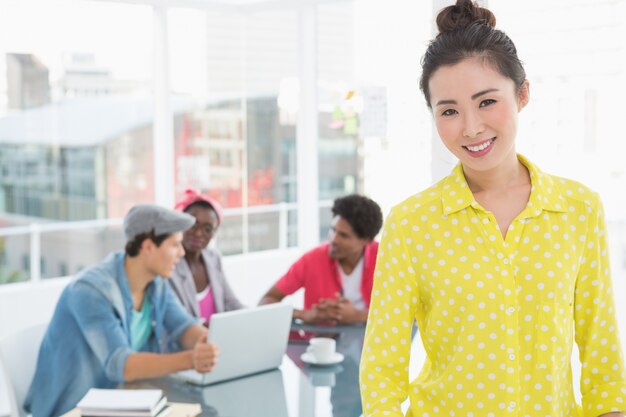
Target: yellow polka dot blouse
(497, 317)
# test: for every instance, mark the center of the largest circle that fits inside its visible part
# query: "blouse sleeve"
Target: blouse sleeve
(231, 302)
(384, 377)
(602, 384)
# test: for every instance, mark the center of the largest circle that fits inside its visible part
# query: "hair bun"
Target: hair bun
(463, 14)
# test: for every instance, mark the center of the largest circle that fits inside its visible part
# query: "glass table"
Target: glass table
(295, 389)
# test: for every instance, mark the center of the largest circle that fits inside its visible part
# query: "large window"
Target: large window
(340, 169)
(232, 142)
(75, 128)
(79, 139)
(75, 108)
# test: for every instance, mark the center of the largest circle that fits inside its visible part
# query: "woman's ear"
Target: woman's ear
(523, 95)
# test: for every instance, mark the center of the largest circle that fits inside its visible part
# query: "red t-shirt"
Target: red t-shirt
(317, 273)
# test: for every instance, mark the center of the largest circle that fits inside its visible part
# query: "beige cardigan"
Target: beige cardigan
(185, 289)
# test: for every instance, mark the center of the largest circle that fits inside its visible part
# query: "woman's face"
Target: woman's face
(475, 110)
(200, 234)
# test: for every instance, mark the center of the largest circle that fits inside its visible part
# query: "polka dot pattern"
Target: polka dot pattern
(497, 317)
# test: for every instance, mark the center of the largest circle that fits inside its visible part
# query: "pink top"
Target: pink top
(206, 304)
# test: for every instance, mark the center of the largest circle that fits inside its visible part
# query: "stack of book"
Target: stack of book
(123, 403)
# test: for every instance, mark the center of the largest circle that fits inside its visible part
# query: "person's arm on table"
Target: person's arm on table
(293, 280)
(205, 354)
(192, 335)
(321, 313)
(201, 356)
(273, 295)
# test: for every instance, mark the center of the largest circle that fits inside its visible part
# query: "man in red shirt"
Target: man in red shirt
(337, 276)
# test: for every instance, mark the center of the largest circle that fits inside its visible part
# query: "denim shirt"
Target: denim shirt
(88, 340)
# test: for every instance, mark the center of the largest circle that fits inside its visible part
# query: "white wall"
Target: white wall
(251, 275)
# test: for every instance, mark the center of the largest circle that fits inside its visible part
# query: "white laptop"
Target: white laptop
(251, 340)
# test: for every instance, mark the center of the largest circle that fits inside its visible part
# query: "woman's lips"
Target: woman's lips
(480, 148)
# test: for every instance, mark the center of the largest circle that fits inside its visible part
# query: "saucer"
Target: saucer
(310, 359)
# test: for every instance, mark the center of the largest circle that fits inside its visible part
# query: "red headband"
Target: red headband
(193, 196)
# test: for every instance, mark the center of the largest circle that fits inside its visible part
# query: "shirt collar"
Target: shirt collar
(544, 195)
(456, 194)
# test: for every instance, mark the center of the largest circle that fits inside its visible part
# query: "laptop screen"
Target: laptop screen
(250, 341)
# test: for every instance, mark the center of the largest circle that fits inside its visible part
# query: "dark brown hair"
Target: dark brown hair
(362, 213)
(133, 247)
(468, 30)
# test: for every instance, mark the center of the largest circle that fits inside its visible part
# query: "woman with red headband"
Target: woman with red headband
(198, 279)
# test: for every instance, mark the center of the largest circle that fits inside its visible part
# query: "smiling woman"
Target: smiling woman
(478, 124)
(502, 265)
(475, 111)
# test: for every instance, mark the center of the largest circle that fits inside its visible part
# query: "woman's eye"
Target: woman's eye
(448, 112)
(487, 102)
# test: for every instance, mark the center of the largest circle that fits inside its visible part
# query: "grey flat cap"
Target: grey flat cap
(145, 218)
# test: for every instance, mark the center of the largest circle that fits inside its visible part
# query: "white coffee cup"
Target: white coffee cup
(322, 349)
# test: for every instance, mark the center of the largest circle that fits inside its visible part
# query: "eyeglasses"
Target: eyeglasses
(206, 228)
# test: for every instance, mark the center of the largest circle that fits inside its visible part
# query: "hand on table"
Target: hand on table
(317, 314)
(333, 311)
(342, 310)
(204, 355)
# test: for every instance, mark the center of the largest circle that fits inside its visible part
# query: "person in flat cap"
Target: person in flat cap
(198, 279)
(118, 321)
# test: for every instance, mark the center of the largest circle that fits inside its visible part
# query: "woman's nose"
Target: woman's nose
(473, 125)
